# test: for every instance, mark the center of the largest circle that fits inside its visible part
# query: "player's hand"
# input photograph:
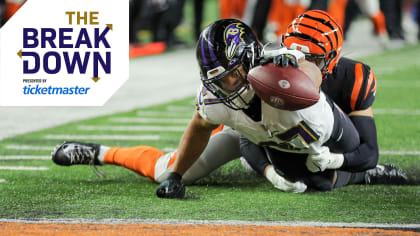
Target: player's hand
(283, 184)
(324, 160)
(282, 60)
(171, 187)
(316, 163)
(281, 56)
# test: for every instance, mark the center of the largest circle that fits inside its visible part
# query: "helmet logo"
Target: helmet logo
(302, 48)
(233, 39)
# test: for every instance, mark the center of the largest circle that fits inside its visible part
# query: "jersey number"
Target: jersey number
(301, 130)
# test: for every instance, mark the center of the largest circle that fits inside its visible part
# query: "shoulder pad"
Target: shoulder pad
(210, 107)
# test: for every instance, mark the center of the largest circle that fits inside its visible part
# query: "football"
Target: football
(285, 88)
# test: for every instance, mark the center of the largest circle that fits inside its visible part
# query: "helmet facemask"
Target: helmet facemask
(237, 99)
(323, 61)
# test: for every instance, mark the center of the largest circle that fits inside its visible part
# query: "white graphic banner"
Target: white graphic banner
(64, 53)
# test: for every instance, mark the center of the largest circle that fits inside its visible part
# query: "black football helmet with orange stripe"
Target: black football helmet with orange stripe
(318, 36)
(222, 48)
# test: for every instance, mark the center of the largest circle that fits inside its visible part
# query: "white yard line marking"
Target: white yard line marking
(181, 108)
(217, 222)
(2, 180)
(132, 128)
(398, 83)
(168, 149)
(384, 111)
(149, 120)
(164, 114)
(22, 168)
(101, 137)
(25, 147)
(25, 157)
(399, 153)
(29, 147)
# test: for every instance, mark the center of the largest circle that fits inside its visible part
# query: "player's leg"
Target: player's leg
(292, 166)
(381, 174)
(254, 155)
(372, 9)
(337, 9)
(149, 161)
(140, 159)
(222, 148)
(257, 159)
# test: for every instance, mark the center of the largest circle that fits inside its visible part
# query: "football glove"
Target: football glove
(324, 160)
(282, 60)
(171, 187)
(283, 184)
(282, 57)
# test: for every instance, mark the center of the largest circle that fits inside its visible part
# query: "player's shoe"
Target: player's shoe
(76, 153)
(386, 174)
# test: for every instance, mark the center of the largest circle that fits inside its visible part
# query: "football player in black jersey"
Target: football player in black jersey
(350, 84)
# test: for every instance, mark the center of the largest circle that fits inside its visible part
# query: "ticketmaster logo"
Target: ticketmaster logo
(54, 90)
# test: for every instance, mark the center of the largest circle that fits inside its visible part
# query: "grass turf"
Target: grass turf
(230, 192)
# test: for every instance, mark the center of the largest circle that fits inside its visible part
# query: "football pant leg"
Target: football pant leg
(222, 148)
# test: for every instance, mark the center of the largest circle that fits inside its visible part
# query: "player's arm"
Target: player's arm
(192, 144)
(366, 155)
(361, 100)
(312, 71)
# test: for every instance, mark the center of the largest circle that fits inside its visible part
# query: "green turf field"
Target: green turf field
(229, 193)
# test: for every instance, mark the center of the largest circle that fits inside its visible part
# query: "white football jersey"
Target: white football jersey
(301, 131)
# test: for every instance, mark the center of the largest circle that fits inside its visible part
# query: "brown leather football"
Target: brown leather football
(284, 88)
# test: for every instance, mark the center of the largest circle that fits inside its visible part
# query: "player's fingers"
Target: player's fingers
(285, 60)
(294, 62)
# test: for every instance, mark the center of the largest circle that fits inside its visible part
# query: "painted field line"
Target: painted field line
(132, 128)
(383, 111)
(50, 148)
(22, 168)
(2, 181)
(149, 120)
(168, 149)
(164, 114)
(181, 108)
(101, 137)
(399, 153)
(219, 222)
(398, 83)
(24, 157)
(29, 147)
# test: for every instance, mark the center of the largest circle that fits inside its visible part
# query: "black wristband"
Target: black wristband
(175, 176)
